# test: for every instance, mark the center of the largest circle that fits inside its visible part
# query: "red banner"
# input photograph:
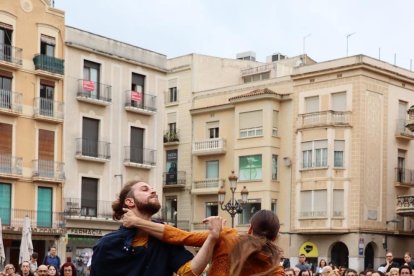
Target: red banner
(136, 96)
(88, 85)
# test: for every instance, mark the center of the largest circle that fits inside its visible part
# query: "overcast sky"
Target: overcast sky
(226, 27)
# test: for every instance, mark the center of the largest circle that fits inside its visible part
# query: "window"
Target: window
(338, 203)
(44, 207)
(46, 103)
(315, 154)
(311, 104)
(90, 134)
(47, 45)
(211, 209)
(339, 101)
(275, 125)
(251, 123)
(6, 139)
(212, 169)
(5, 203)
(402, 175)
(339, 149)
(5, 41)
(5, 92)
(273, 206)
(172, 124)
(250, 167)
(171, 167)
(257, 77)
(172, 94)
(137, 91)
(89, 200)
(249, 209)
(46, 162)
(313, 203)
(91, 79)
(137, 145)
(213, 130)
(274, 167)
(170, 213)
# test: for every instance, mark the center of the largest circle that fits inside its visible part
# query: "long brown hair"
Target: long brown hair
(118, 204)
(265, 228)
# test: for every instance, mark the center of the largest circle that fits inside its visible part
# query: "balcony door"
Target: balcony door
(6, 132)
(5, 92)
(137, 145)
(170, 215)
(44, 207)
(90, 134)
(91, 74)
(46, 155)
(5, 203)
(89, 201)
(137, 90)
(47, 91)
(5, 42)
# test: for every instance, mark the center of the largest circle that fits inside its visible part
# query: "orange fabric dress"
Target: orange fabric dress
(220, 263)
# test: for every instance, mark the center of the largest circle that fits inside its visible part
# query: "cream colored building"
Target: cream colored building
(324, 145)
(113, 95)
(32, 171)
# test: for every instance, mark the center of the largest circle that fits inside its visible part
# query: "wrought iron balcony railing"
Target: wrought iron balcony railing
(140, 156)
(402, 130)
(48, 169)
(171, 136)
(10, 101)
(404, 176)
(324, 118)
(48, 108)
(91, 148)
(94, 91)
(10, 165)
(139, 100)
(49, 64)
(174, 178)
(11, 54)
(44, 219)
(83, 207)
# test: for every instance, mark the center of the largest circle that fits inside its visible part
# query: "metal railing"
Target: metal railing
(174, 178)
(209, 145)
(48, 108)
(140, 155)
(11, 54)
(171, 136)
(48, 63)
(94, 90)
(402, 130)
(10, 164)
(83, 207)
(208, 183)
(324, 118)
(404, 176)
(257, 70)
(48, 169)
(140, 100)
(47, 219)
(11, 101)
(91, 148)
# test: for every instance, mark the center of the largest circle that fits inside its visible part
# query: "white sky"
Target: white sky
(226, 27)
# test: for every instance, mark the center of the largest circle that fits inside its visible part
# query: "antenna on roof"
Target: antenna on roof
(347, 38)
(379, 53)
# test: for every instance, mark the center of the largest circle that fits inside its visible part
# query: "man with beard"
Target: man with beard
(129, 251)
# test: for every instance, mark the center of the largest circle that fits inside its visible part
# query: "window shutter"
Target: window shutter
(212, 124)
(319, 202)
(275, 118)
(339, 145)
(6, 138)
(306, 146)
(172, 83)
(252, 119)
(338, 202)
(320, 144)
(311, 104)
(339, 101)
(48, 39)
(171, 118)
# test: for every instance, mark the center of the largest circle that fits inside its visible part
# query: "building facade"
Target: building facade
(32, 171)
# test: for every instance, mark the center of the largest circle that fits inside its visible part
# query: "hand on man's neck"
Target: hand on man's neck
(140, 214)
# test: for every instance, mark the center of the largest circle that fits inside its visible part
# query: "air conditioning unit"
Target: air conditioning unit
(250, 55)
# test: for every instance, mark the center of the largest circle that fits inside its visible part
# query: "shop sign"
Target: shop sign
(309, 249)
(86, 232)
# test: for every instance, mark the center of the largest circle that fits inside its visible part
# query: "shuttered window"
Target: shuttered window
(251, 123)
(46, 144)
(339, 149)
(5, 203)
(44, 207)
(312, 104)
(89, 200)
(6, 139)
(338, 203)
(339, 101)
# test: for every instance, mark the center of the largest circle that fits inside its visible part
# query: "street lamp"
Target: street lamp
(233, 206)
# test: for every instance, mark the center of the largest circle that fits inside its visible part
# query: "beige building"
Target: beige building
(31, 123)
(113, 95)
(324, 145)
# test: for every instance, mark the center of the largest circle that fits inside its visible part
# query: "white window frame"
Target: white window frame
(314, 156)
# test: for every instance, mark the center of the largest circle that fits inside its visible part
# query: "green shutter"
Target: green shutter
(5, 203)
(44, 207)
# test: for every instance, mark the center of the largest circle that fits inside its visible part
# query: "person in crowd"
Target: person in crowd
(303, 265)
(25, 269)
(289, 272)
(369, 272)
(69, 269)
(9, 270)
(296, 270)
(52, 270)
(405, 270)
(378, 273)
(394, 272)
(133, 252)
(42, 270)
(408, 260)
(52, 258)
(304, 272)
(234, 254)
(285, 262)
(342, 270)
(326, 270)
(362, 273)
(350, 272)
(33, 262)
(321, 265)
(389, 262)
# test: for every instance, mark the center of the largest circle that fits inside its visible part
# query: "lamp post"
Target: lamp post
(233, 206)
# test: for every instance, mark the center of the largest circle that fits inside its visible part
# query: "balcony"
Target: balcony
(79, 208)
(173, 179)
(257, 70)
(209, 147)
(402, 131)
(90, 150)
(48, 110)
(139, 157)
(405, 205)
(207, 186)
(94, 92)
(404, 177)
(10, 56)
(324, 118)
(171, 138)
(13, 219)
(48, 170)
(49, 66)
(10, 166)
(10, 102)
(140, 103)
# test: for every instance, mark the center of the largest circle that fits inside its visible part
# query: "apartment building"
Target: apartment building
(32, 171)
(113, 94)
